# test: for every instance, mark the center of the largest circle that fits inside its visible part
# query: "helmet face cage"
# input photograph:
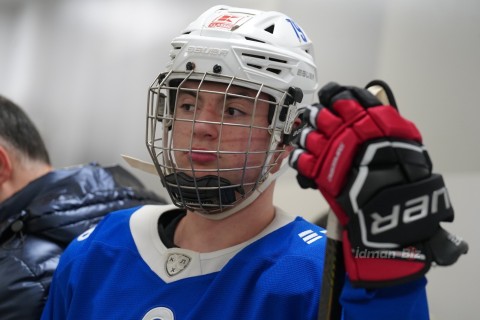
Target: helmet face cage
(246, 147)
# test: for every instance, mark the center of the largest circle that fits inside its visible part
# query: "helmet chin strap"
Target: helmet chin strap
(251, 198)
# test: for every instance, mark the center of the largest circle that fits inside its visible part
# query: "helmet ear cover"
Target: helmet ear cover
(295, 95)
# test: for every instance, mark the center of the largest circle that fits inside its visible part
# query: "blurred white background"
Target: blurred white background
(81, 69)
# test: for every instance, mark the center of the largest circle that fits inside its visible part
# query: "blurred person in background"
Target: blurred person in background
(42, 209)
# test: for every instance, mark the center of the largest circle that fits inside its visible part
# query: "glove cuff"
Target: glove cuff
(381, 268)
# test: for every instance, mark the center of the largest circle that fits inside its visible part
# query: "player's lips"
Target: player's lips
(200, 156)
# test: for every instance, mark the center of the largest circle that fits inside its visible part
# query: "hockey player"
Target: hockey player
(220, 125)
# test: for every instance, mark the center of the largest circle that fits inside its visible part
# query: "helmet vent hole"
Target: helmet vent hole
(253, 56)
(270, 29)
(277, 60)
(253, 39)
(276, 71)
(254, 66)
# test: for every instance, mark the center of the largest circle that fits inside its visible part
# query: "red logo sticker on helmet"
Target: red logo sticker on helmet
(228, 21)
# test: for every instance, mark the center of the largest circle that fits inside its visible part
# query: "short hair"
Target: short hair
(20, 133)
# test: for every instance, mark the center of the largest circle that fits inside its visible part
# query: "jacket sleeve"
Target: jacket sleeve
(23, 282)
(402, 302)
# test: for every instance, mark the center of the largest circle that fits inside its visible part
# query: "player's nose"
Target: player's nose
(207, 122)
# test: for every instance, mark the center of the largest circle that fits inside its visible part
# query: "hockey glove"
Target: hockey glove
(370, 165)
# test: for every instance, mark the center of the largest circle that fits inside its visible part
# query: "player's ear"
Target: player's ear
(5, 165)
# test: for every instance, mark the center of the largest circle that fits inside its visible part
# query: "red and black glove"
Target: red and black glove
(370, 165)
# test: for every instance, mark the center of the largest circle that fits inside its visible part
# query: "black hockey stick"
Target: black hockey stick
(334, 269)
(333, 273)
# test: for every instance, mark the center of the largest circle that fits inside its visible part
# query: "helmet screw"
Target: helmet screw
(190, 66)
(217, 68)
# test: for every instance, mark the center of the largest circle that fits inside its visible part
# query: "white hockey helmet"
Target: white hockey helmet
(263, 51)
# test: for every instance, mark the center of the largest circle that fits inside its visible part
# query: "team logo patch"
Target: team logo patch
(176, 263)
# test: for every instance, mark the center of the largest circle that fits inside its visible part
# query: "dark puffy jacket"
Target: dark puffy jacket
(38, 222)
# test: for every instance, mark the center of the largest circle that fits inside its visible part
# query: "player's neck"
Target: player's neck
(197, 233)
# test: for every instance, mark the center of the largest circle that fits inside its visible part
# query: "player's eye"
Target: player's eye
(234, 112)
(187, 107)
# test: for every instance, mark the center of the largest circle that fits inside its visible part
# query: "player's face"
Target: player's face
(220, 133)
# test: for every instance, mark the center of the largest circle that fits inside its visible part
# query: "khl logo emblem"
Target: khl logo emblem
(176, 263)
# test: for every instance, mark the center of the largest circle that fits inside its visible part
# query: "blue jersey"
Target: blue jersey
(122, 270)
